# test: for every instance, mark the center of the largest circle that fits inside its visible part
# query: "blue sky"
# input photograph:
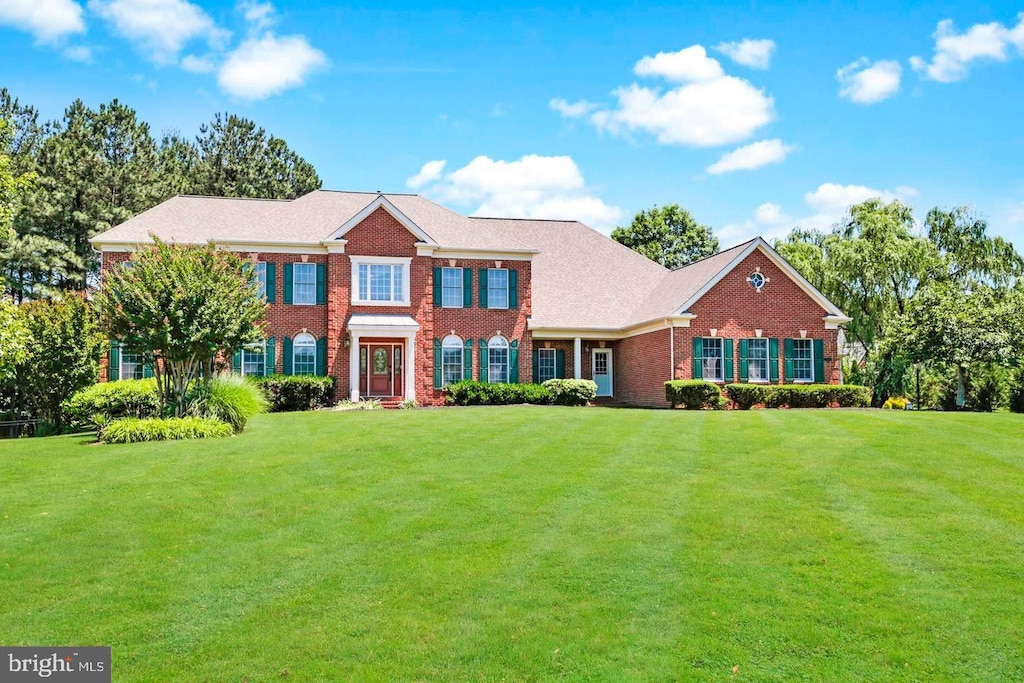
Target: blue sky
(755, 117)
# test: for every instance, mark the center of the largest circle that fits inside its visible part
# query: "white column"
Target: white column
(410, 368)
(353, 368)
(577, 358)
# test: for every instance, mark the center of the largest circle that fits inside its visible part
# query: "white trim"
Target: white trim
(508, 290)
(577, 358)
(405, 262)
(832, 322)
(668, 322)
(611, 372)
(336, 247)
(396, 213)
(243, 246)
(462, 286)
(358, 331)
(781, 263)
(481, 254)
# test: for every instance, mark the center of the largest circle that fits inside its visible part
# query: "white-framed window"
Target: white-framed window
(497, 360)
(497, 288)
(380, 281)
(132, 366)
(803, 360)
(451, 359)
(261, 277)
(451, 287)
(304, 283)
(304, 355)
(713, 363)
(254, 360)
(757, 360)
(545, 364)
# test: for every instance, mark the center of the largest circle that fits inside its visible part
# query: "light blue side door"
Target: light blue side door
(602, 371)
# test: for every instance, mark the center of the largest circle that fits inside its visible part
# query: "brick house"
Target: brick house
(395, 297)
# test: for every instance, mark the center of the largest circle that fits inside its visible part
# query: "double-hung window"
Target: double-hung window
(254, 360)
(380, 281)
(131, 365)
(803, 360)
(713, 359)
(757, 360)
(545, 364)
(261, 278)
(451, 287)
(451, 360)
(304, 291)
(497, 357)
(497, 288)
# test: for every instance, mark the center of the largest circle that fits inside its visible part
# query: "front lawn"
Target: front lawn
(529, 544)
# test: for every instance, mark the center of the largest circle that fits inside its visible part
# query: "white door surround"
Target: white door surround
(605, 379)
(388, 326)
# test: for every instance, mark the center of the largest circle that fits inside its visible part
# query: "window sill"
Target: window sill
(305, 303)
(406, 304)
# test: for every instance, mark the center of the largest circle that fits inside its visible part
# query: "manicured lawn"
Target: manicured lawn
(529, 544)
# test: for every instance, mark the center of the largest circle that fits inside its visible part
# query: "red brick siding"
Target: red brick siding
(735, 309)
(642, 366)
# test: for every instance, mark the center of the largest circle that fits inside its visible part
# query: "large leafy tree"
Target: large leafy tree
(13, 184)
(64, 353)
(182, 306)
(669, 235)
(14, 339)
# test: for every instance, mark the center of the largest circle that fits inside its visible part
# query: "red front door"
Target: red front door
(381, 375)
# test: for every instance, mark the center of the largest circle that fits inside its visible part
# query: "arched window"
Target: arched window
(451, 360)
(304, 355)
(497, 360)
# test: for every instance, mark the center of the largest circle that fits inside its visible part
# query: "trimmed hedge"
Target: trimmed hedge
(135, 430)
(895, 403)
(113, 400)
(746, 396)
(693, 394)
(571, 392)
(819, 396)
(288, 393)
(472, 393)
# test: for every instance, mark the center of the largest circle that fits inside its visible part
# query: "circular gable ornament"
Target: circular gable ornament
(757, 279)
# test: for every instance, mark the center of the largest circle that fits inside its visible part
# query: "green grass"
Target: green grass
(529, 544)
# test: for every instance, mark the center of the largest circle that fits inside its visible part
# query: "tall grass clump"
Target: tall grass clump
(230, 398)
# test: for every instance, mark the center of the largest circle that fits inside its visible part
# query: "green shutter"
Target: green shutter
(467, 288)
(288, 283)
(729, 357)
(559, 364)
(286, 351)
(698, 356)
(744, 360)
(513, 362)
(483, 288)
(513, 288)
(467, 355)
(437, 364)
(321, 357)
(271, 283)
(321, 283)
(236, 362)
(788, 358)
(536, 367)
(773, 360)
(114, 362)
(484, 359)
(437, 287)
(269, 366)
(147, 370)
(819, 361)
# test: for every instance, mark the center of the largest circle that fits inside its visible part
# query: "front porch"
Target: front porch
(381, 353)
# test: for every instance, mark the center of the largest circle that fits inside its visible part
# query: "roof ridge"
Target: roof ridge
(212, 196)
(716, 254)
(533, 220)
(374, 192)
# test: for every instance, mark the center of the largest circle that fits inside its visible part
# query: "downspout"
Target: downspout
(671, 352)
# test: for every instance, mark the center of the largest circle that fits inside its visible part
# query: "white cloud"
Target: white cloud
(688, 65)
(573, 110)
(268, 65)
(160, 28)
(828, 204)
(757, 54)
(533, 186)
(47, 20)
(1017, 214)
(955, 51)
(259, 14)
(708, 109)
(867, 83)
(749, 157)
(430, 172)
(79, 53)
(198, 65)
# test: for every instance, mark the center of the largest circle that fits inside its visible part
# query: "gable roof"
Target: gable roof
(581, 279)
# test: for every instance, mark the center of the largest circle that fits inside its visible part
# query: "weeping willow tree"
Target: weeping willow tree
(181, 306)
